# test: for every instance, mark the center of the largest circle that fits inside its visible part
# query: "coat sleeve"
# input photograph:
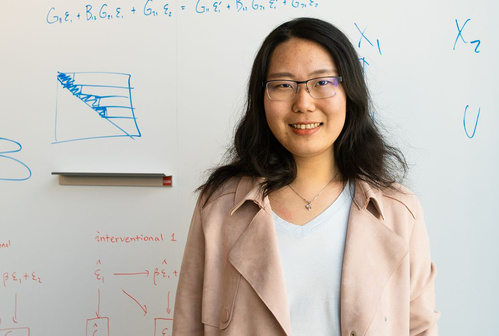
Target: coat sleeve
(187, 319)
(422, 307)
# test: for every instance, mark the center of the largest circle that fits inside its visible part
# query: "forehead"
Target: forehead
(300, 57)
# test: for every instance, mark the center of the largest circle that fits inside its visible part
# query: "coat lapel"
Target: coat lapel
(256, 256)
(372, 253)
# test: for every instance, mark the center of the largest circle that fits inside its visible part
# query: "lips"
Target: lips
(305, 125)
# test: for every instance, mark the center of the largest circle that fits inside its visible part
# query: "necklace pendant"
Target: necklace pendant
(308, 206)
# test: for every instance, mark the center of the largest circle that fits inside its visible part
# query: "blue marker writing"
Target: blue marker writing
(476, 123)
(19, 163)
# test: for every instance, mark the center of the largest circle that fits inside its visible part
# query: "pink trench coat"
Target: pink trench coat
(231, 281)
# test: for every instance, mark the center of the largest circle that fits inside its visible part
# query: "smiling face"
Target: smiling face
(305, 126)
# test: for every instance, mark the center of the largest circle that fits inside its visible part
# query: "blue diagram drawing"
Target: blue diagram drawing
(12, 169)
(94, 105)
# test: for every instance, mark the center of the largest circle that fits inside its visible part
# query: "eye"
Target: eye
(280, 85)
(323, 82)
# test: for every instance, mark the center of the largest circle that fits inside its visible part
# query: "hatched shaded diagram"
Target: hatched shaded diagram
(93, 105)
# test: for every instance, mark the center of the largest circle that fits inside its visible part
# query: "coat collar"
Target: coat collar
(249, 189)
(372, 253)
(365, 197)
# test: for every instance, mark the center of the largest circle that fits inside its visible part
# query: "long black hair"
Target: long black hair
(360, 150)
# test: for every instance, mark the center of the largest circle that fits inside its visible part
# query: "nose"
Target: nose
(303, 101)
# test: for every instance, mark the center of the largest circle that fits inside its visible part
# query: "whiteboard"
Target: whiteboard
(97, 260)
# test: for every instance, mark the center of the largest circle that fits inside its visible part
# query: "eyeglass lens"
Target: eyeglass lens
(323, 87)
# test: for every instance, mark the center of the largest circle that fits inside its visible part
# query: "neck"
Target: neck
(315, 172)
(316, 186)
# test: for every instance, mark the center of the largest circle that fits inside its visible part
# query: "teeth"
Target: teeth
(305, 126)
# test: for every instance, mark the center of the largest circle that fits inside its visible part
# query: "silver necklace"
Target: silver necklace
(308, 204)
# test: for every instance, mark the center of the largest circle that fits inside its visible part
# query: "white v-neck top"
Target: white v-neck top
(312, 257)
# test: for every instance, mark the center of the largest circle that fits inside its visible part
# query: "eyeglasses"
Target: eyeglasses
(320, 87)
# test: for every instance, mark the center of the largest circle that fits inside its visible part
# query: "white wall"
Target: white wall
(421, 80)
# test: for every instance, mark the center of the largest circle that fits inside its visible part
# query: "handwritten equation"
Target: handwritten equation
(99, 325)
(156, 274)
(156, 8)
(91, 12)
(129, 282)
(19, 278)
(126, 279)
(203, 7)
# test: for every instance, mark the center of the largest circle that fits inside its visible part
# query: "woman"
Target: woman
(305, 231)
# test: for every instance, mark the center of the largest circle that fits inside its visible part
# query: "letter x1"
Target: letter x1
(362, 35)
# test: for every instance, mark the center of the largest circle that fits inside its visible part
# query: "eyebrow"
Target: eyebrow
(313, 73)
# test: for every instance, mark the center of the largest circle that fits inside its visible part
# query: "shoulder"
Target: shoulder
(394, 198)
(401, 196)
(226, 189)
(235, 190)
(402, 211)
(396, 207)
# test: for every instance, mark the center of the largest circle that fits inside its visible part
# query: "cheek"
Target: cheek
(273, 116)
(339, 111)
(272, 123)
